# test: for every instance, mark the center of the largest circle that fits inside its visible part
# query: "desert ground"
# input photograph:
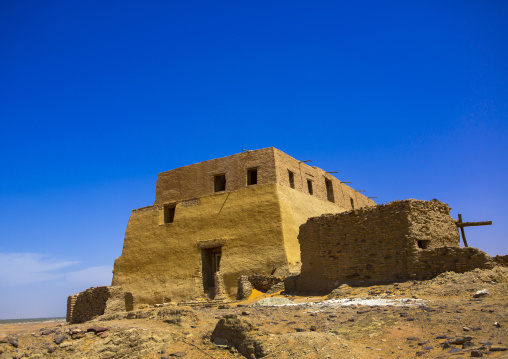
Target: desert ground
(452, 315)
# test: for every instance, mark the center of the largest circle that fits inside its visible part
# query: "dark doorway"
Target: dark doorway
(210, 258)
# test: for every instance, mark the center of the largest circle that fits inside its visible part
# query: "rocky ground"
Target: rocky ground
(439, 318)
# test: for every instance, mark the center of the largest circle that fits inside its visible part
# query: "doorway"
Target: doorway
(210, 258)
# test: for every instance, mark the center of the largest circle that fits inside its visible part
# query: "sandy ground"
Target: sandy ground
(439, 318)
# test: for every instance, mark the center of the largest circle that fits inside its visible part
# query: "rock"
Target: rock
(460, 340)
(476, 354)
(481, 293)
(497, 325)
(78, 335)
(48, 332)
(13, 341)
(454, 350)
(97, 330)
(103, 335)
(60, 338)
(466, 329)
(178, 354)
(498, 348)
(446, 345)
(4, 338)
(413, 338)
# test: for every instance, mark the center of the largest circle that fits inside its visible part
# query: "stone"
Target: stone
(178, 354)
(498, 348)
(454, 350)
(13, 341)
(481, 293)
(59, 338)
(460, 340)
(476, 354)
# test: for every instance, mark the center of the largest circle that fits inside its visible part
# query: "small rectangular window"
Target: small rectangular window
(291, 179)
(309, 186)
(252, 176)
(219, 183)
(352, 203)
(329, 190)
(169, 213)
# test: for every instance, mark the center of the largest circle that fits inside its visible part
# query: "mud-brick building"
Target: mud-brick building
(240, 214)
(388, 243)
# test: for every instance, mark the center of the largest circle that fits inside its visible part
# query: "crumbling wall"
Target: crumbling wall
(264, 282)
(383, 244)
(427, 264)
(95, 301)
(241, 334)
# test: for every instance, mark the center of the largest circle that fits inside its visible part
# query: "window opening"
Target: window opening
(210, 259)
(219, 183)
(252, 176)
(423, 244)
(329, 190)
(291, 179)
(309, 186)
(352, 203)
(169, 213)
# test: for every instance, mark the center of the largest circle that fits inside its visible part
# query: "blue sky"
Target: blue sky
(406, 99)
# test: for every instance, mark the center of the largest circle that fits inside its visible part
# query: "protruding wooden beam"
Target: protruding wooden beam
(472, 224)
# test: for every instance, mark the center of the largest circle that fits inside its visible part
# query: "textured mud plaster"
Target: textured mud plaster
(402, 240)
(254, 227)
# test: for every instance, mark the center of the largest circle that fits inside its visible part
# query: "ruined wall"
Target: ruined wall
(86, 305)
(382, 244)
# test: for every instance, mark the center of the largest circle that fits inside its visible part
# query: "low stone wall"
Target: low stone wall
(398, 241)
(264, 282)
(427, 264)
(91, 303)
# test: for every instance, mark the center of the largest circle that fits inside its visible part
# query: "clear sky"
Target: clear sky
(406, 99)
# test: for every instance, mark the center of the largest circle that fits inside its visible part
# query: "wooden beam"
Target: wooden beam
(471, 224)
(462, 230)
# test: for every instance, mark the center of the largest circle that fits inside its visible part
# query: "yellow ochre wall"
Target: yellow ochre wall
(163, 260)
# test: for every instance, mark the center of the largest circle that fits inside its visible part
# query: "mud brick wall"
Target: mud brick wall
(264, 282)
(95, 301)
(427, 264)
(383, 244)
